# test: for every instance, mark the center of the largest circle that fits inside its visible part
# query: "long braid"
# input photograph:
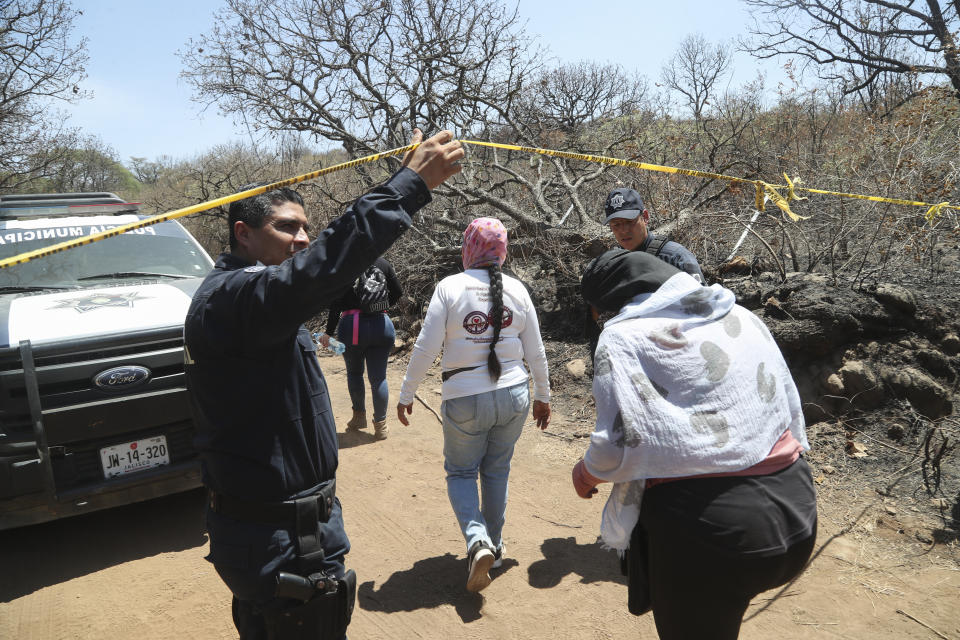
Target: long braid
(496, 318)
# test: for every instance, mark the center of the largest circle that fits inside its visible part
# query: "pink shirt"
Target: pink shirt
(784, 453)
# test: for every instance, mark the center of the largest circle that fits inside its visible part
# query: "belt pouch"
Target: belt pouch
(308, 530)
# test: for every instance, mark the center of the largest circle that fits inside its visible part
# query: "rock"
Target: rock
(896, 297)
(861, 384)
(399, 344)
(890, 510)
(577, 368)
(834, 385)
(828, 469)
(936, 363)
(950, 344)
(926, 395)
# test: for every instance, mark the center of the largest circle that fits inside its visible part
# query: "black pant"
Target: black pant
(712, 545)
(699, 594)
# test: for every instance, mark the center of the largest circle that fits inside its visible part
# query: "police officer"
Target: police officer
(628, 218)
(266, 433)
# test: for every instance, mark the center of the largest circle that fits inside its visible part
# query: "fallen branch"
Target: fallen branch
(922, 623)
(424, 403)
(557, 435)
(559, 524)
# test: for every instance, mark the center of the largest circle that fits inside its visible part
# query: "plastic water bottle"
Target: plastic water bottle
(335, 346)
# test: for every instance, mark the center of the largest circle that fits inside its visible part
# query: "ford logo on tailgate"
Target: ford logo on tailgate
(121, 378)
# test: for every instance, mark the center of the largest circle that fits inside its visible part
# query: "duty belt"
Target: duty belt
(288, 514)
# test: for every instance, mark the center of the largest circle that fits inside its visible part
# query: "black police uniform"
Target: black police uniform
(266, 432)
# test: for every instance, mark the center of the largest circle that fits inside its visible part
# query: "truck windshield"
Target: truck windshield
(163, 249)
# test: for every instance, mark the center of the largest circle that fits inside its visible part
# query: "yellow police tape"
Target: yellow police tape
(762, 188)
(196, 208)
(763, 191)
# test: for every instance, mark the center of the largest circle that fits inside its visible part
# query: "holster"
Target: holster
(325, 616)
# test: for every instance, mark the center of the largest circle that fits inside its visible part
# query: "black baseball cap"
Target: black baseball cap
(623, 203)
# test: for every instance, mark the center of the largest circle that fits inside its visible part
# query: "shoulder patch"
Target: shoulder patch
(255, 268)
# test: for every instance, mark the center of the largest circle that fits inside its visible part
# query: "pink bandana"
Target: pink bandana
(484, 243)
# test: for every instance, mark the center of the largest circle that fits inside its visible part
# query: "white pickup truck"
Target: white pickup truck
(93, 407)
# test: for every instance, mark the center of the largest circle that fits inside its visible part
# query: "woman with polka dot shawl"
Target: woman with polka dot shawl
(700, 429)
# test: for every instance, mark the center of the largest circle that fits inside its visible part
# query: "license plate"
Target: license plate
(121, 459)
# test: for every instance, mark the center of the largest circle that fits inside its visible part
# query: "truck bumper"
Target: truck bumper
(37, 507)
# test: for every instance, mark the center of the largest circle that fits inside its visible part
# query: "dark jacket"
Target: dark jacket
(265, 428)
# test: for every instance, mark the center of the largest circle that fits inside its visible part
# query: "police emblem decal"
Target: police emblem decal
(99, 301)
(616, 201)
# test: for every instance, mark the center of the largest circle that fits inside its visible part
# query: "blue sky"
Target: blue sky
(141, 107)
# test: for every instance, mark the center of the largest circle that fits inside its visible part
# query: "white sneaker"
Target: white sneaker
(498, 554)
(480, 559)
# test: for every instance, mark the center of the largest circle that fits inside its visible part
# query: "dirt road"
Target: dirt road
(138, 572)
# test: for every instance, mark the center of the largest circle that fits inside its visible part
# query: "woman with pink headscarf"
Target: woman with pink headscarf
(485, 324)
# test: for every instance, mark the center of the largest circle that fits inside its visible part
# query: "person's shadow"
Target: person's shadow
(563, 556)
(428, 584)
(438, 581)
(349, 439)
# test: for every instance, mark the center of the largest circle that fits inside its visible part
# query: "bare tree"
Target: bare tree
(39, 65)
(695, 71)
(875, 37)
(587, 108)
(357, 73)
(363, 74)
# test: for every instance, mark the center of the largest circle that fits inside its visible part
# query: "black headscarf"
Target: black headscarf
(612, 279)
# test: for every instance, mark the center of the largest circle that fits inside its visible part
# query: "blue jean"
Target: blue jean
(479, 434)
(374, 342)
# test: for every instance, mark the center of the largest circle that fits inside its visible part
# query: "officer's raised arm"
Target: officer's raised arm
(301, 279)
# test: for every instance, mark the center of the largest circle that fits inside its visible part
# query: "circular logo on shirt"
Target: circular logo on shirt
(477, 322)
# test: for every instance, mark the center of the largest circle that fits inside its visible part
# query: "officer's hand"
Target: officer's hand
(325, 340)
(400, 409)
(541, 413)
(436, 158)
(584, 483)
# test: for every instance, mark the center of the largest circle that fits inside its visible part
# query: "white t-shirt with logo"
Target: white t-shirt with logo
(458, 323)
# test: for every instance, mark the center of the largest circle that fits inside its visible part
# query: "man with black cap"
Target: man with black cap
(627, 218)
